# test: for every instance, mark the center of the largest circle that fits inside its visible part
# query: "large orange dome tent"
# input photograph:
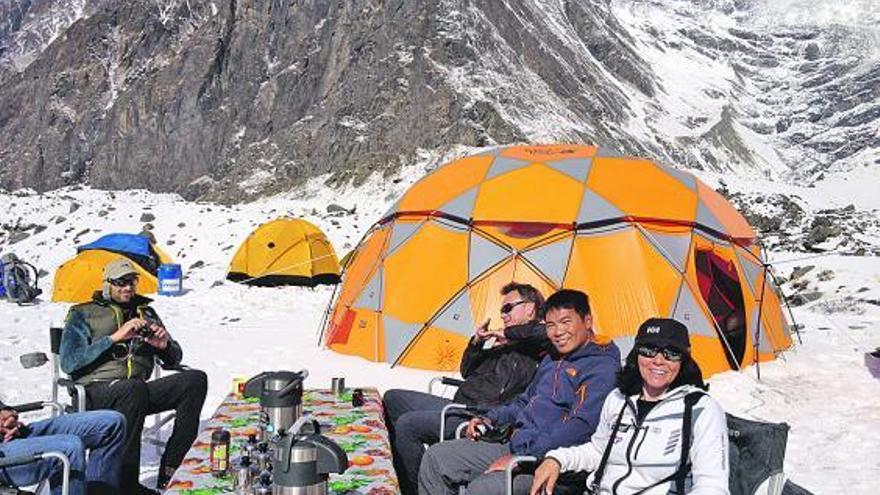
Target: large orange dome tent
(640, 238)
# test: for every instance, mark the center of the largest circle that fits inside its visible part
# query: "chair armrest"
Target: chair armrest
(80, 393)
(28, 407)
(443, 380)
(508, 471)
(448, 380)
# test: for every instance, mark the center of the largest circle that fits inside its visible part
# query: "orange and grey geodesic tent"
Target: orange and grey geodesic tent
(285, 251)
(640, 238)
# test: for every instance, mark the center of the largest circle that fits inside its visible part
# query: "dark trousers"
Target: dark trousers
(413, 420)
(183, 393)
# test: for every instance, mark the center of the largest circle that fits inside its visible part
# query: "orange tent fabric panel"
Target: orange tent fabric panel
(544, 153)
(417, 267)
(632, 185)
(435, 349)
(547, 196)
(358, 333)
(445, 183)
(625, 278)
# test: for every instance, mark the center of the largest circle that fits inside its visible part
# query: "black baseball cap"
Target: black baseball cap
(664, 332)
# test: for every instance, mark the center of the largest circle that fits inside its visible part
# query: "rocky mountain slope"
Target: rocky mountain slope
(235, 98)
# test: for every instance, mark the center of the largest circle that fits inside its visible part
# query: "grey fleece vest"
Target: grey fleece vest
(104, 320)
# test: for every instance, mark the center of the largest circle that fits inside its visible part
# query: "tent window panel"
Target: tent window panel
(722, 292)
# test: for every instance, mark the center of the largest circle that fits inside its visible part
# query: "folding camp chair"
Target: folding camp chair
(151, 434)
(757, 452)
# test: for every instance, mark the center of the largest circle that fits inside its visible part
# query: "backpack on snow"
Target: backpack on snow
(19, 279)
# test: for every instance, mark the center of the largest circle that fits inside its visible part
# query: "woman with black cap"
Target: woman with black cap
(641, 443)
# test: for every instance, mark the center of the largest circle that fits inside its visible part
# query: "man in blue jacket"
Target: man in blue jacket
(560, 408)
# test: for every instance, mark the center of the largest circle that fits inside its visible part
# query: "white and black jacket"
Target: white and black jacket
(644, 454)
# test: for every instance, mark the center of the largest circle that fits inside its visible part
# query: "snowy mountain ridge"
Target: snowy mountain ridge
(200, 97)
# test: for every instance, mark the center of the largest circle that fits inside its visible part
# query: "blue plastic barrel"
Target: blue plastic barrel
(170, 280)
(2, 284)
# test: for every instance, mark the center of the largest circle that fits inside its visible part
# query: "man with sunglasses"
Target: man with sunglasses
(496, 366)
(560, 407)
(110, 345)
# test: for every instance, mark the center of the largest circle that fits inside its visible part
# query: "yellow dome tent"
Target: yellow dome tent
(285, 251)
(77, 279)
(640, 238)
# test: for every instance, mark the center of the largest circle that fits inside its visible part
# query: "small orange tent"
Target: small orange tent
(640, 238)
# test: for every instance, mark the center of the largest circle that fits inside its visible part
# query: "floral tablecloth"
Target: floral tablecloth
(360, 431)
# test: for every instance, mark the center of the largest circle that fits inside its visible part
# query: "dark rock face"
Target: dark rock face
(235, 98)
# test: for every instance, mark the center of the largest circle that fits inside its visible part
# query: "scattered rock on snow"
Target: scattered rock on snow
(147, 217)
(804, 297)
(197, 264)
(800, 271)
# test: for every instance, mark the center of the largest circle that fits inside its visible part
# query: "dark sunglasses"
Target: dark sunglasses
(508, 307)
(669, 353)
(124, 281)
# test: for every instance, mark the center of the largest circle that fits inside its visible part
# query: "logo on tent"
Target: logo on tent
(653, 330)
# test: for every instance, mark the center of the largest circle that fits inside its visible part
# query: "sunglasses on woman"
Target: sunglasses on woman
(669, 353)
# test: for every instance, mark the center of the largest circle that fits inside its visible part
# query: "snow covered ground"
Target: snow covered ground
(821, 388)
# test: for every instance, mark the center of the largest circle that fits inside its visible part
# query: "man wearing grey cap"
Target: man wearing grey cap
(109, 345)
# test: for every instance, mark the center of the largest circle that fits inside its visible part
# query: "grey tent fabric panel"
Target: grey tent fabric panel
(606, 152)
(462, 205)
(675, 248)
(687, 310)
(483, 254)
(625, 344)
(707, 219)
(595, 208)
(576, 168)
(551, 259)
(400, 233)
(757, 451)
(685, 178)
(371, 294)
(398, 336)
(752, 271)
(457, 316)
(763, 341)
(502, 165)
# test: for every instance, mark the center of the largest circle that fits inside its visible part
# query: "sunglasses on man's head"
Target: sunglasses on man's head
(669, 353)
(124, 281)
(508, 307)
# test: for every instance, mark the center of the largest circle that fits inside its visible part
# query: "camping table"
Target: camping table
(360, 431)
